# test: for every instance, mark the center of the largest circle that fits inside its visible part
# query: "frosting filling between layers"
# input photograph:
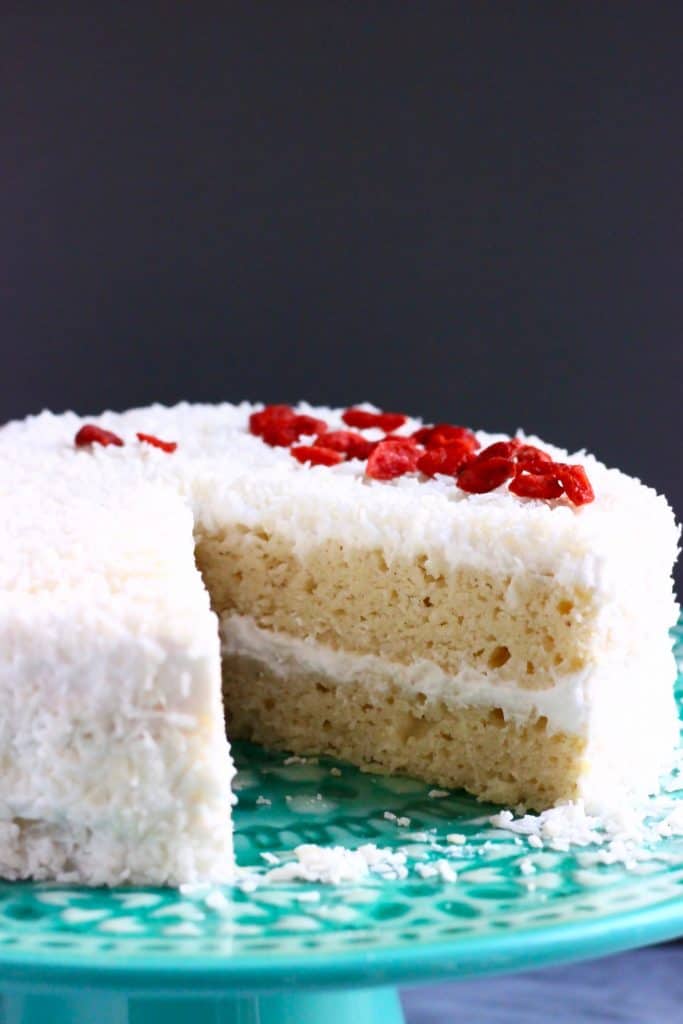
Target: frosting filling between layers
(629, 729)
(563, 705)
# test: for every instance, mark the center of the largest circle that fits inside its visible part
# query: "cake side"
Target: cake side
(115, 765)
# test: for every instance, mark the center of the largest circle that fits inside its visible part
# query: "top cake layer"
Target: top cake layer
(625, 539)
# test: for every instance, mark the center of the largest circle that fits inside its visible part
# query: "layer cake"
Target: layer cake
(513, 645)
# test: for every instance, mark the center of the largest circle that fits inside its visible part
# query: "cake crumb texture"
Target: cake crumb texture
(473, 748)
(523, 628)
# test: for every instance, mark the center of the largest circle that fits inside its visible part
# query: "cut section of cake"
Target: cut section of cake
(479, 640)
(410, 599)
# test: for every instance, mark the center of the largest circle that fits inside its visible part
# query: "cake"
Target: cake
(493, 618)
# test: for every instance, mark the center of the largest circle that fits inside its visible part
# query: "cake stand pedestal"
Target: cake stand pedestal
(360, 1006)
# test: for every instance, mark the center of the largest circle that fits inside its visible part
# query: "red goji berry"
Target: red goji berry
(576, 484)
(353, 445)
(443, 434)
(422, 435)
(532, 459)
(483, 475)
(500, 450)
(308, 425)
(317, 455)
(445, 460)
(399, 439)
(156, 442)
(362, 419)
(269, 417)
(446, 433)
(281, 433)
(90, 434)
(536, 485)
(392, 458)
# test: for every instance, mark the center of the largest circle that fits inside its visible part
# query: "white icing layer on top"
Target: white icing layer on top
(225, 471)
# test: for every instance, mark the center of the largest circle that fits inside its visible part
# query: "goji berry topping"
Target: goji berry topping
(422, 435)
(576, 484)
(484, 475)
(268, 417)
(444, 449)
(156, 442)
(531, 471)
(446, 461)
(536, 485)
(362, 419)
(91, 434)
(532, 459)
(444, 434)
(316, 455)
(410, 442)
(280, 435)
(348, 442)
(500, 450)
(392, 458)
(280, 426)
(309, 425)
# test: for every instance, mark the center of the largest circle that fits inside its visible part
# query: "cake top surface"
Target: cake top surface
(56, 495)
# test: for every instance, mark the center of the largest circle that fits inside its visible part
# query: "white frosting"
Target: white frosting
(226, 472)
(113, 761)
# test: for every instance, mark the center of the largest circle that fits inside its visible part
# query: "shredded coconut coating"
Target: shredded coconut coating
(115, 765)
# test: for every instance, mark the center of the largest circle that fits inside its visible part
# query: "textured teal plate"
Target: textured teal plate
(138, 945)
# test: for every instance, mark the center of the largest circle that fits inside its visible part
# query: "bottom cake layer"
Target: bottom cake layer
(476, 748)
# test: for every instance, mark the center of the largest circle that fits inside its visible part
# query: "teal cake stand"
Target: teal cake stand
(299, 953)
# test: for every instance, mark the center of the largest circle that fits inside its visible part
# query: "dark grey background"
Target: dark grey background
(469, 210)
